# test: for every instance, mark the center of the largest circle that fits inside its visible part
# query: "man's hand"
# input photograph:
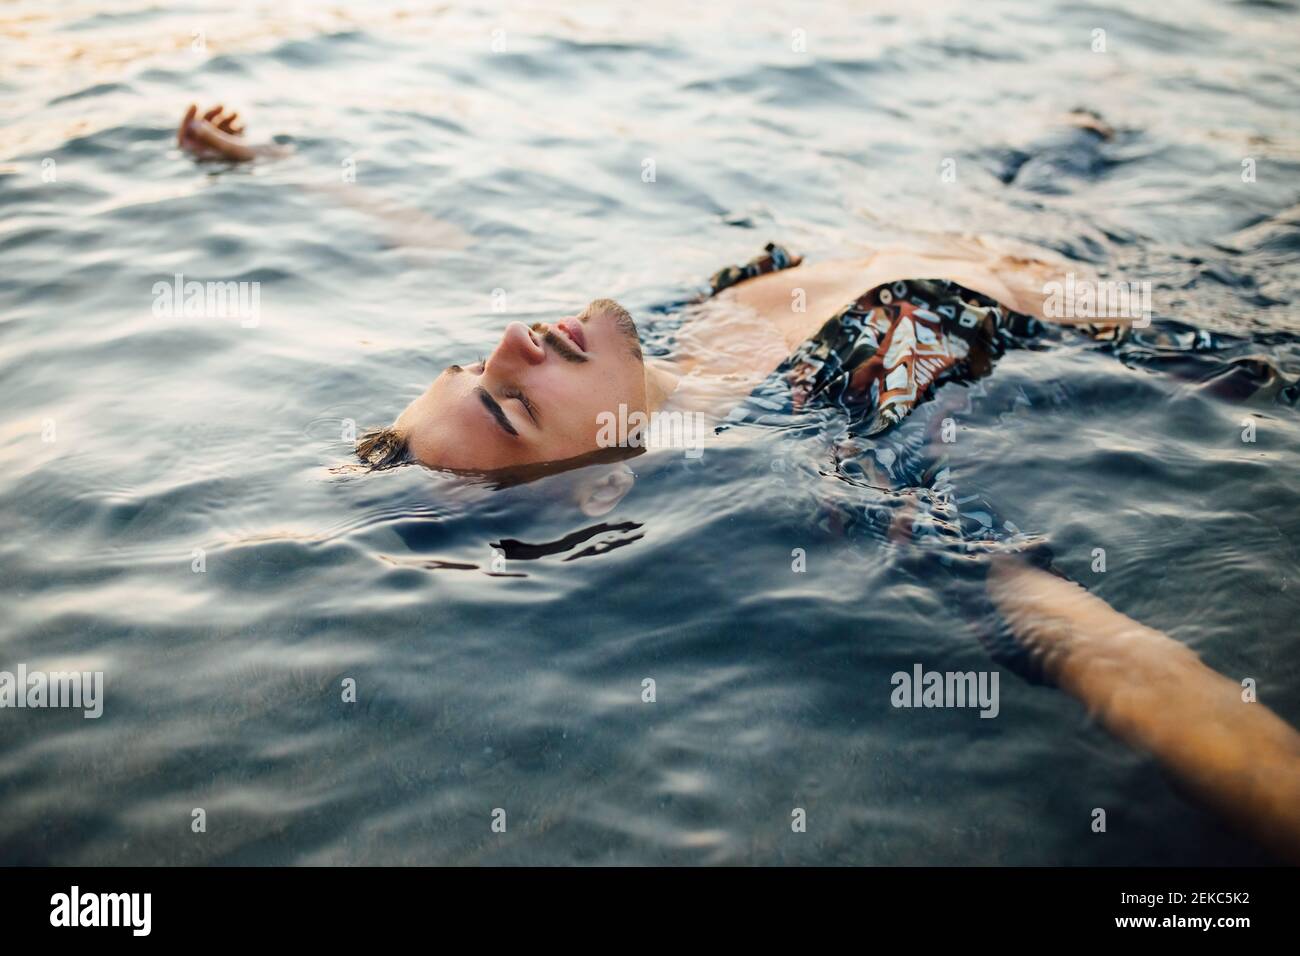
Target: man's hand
(213, 136)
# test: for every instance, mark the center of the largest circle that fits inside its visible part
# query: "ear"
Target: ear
(598, 494)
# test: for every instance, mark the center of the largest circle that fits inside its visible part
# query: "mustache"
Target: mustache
(558, 343)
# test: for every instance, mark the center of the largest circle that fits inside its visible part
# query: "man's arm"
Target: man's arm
(1238, 758)
(216, 135)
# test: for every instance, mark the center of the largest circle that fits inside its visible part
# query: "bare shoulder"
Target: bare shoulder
(814, 289)
(1016, 274)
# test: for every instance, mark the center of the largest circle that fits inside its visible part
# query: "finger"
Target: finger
(213, 113)
(224, 144)
(228, 122)
(208, 135)
(182, 133)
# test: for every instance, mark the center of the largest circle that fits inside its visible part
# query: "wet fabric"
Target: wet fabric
(772, 259)
(904, 361)
(880, 359)
(899, 366)
(880, 366)
(887, 352)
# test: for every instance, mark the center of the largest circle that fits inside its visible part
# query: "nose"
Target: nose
(517, 348)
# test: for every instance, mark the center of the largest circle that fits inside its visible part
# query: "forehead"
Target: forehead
(457, 431)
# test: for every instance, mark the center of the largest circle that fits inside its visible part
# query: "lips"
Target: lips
(571, 329)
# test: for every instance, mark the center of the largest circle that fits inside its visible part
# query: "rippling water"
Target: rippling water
(131, 440)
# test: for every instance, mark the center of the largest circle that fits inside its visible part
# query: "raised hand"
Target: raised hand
(215, 135)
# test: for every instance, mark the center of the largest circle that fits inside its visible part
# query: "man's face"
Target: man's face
(537, 397)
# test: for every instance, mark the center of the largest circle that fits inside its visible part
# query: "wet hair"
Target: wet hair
(383, 448)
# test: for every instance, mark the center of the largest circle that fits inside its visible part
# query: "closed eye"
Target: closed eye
(498, 415)
(522, 399)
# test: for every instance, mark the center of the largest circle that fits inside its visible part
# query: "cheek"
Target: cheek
(627, 386)
(581, 404)
(609, 391)
(575, 420)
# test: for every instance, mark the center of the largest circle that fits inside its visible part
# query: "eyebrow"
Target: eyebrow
(491, 405)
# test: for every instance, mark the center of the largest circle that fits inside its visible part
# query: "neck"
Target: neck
(660, 383)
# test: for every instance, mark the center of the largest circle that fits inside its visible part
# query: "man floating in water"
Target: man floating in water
(880, 340)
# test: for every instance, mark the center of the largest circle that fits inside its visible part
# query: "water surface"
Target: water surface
(513, 179)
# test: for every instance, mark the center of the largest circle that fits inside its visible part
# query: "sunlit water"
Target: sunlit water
(130, 440)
